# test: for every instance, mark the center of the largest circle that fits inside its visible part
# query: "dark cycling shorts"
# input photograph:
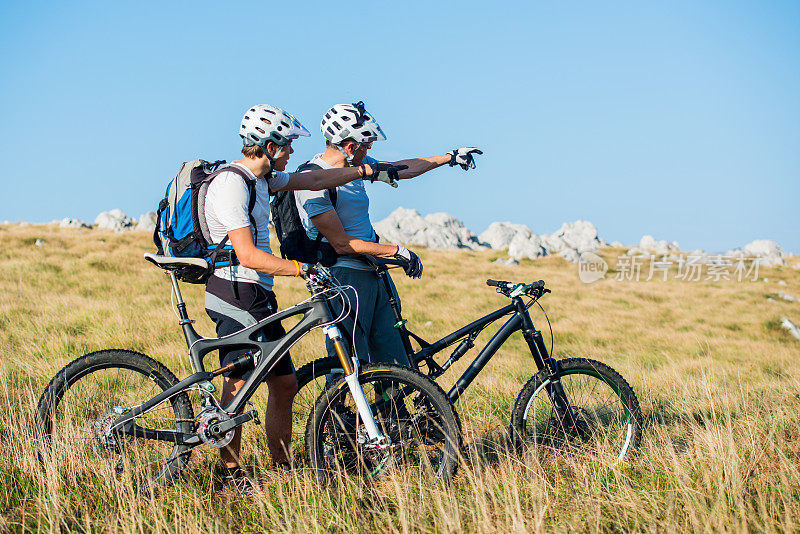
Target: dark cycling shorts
(233, 310)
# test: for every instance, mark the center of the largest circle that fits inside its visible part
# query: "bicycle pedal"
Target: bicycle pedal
(254, 413)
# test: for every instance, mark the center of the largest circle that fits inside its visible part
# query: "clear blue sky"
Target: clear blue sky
(676, 119)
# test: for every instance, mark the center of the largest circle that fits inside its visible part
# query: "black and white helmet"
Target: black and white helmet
(264, 123)
(350, 121)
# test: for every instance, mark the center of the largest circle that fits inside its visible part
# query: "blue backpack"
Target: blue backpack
(181, 229)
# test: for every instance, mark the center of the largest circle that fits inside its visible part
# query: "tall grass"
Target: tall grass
(718, 384)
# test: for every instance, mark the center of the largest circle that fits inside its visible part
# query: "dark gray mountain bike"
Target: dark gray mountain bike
(121, 413)
(577, 405)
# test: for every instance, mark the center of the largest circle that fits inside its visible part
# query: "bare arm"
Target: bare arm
(419, 166)
(320, 179)
(330, 226)
(254, 258)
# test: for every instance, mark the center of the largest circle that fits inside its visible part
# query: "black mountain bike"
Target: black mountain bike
(119, 412)
(574, 405)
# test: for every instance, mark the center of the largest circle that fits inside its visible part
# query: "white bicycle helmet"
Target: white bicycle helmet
(350, 121)
(264, 123)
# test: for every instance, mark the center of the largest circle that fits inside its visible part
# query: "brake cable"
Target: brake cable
(552, 338)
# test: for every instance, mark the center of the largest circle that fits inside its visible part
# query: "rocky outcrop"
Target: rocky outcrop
(526, 247)
(768, 253)
(649, 245)
(569, 241)
(580, 236)
(436, 231)
(147, 222)
(499, 235)
(114, 220)
(66, 222)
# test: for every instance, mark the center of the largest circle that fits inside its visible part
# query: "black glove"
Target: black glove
(464, 157)
(412, 265)
(385, 172)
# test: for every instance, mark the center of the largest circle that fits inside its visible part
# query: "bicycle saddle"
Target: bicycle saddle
(171, 263)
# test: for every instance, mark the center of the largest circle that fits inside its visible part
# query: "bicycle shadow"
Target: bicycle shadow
(488, 448)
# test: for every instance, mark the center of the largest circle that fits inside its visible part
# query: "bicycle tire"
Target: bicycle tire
(612, 430)
(428, 434)
(73, 437)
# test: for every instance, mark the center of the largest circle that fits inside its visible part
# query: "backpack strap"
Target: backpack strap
(332, 196)
(251, 204)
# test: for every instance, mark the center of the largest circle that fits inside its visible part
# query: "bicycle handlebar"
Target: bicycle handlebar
(377, 262)
(509, 287)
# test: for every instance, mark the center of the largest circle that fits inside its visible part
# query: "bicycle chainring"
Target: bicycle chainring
(206, 421)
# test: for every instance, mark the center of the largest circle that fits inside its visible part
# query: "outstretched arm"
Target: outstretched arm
(321, 179)
(464, 157)
(419, 166)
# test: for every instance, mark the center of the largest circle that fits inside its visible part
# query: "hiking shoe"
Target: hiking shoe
(237, 480)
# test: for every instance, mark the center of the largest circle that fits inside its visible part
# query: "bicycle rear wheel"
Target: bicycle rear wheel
(607, 413)
(77, 409)
(411, 409)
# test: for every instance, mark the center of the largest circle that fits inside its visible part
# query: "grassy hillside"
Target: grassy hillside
(717, 377)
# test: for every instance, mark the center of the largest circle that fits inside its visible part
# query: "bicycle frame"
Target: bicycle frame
(316, 312)
(519, 321)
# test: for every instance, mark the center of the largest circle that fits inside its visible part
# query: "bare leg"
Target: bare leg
(230, 454)
(278, 418)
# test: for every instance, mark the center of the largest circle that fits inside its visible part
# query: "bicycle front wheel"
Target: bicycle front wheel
(409, 408)
(77, 410)
(607, 414)
(312, 380)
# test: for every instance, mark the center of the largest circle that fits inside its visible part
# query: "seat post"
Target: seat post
(180, 304)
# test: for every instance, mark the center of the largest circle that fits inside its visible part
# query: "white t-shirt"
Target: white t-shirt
(227, 200)
(352, 207)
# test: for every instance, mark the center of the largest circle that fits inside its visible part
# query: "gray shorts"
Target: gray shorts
(376, 338)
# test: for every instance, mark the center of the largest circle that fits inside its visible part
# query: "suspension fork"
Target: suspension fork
(555, 390)
(351, 368)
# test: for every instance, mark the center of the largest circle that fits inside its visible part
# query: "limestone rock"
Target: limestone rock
(67, 222)
(790, 327)
(114, 220)
(500, 234)
(579, 235)
(436, 231)
(147, 222)
(509, 262)
(768, 253)
(526, 247)
(648, 243)
(570, 254)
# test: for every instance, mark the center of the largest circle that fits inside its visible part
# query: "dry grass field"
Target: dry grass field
(717, 378)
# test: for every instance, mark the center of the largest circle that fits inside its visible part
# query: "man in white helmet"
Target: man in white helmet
(240, 295)
(349, 132)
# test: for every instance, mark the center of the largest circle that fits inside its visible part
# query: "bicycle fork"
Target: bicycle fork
(555, 390)
(351, 367)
